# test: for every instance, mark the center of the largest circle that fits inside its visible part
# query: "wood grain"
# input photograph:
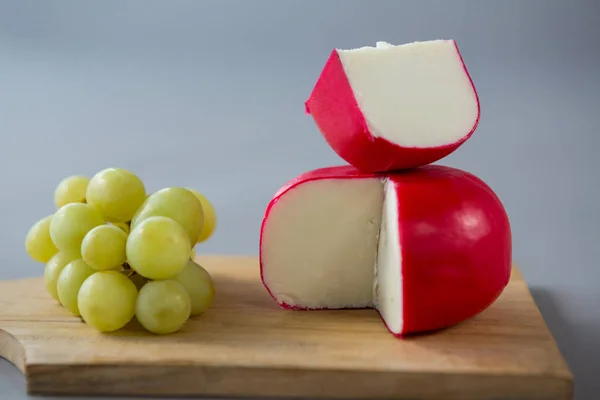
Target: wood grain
(246, 346)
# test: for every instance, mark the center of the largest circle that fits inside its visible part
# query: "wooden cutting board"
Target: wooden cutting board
(246, 346)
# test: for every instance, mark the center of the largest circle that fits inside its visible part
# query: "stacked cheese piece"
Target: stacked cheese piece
(428, 246)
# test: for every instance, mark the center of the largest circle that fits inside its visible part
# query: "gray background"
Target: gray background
(210, 94)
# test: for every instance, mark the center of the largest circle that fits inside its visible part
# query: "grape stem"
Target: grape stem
(127, 270)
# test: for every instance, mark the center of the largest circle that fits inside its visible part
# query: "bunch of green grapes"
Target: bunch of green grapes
(114, 253)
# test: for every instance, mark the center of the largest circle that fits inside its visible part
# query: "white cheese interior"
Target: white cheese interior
(335, 243)
(414, 95)
(320, 243)
(387, 297)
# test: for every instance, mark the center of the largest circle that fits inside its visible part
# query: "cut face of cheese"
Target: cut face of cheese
(323, 241)
(391, 107)
(413, 95)
(427, 248)
(387, 296)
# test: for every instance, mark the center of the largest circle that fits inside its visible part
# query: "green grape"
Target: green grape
(158, 248)
(53, 270)
(71, 190)
(38, 242)
(71, 223)
(106, 300)
(176, 203)
(69, 282)
(193, 253)
(210, 217)
(103, 247)
(162, 307)
(116, 193)
(198, 284)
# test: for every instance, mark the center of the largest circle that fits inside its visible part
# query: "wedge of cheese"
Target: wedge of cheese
(390, 107)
